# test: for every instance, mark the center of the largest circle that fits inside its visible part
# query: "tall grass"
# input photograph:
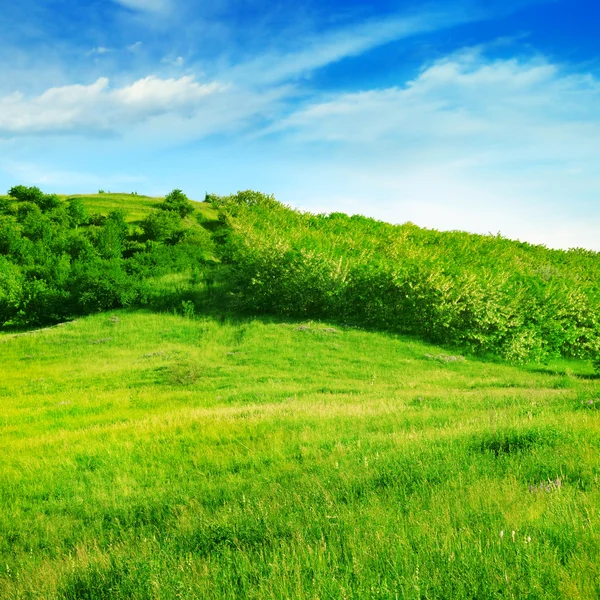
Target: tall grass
(163, 456)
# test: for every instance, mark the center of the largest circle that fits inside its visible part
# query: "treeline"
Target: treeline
(58, 261)
(484, 293)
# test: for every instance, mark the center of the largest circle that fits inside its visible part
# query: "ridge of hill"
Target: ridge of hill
(66, 256)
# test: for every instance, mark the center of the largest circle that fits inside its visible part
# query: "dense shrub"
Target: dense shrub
(77, 212)
(57, 261)
(11, 289)
(177, 202)
(484, 293)
(101, 285)
(162, 226)
(34, 195)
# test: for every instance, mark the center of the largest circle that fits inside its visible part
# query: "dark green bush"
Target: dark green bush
(162, 226)
(56, 261)
(177, 202)
(99, 285)
(77, 212)
(11, 290)
(45, 202)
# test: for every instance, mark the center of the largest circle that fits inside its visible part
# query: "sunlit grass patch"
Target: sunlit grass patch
(263, 458)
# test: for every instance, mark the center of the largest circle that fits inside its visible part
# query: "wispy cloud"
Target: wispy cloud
(466, 99)
(99, 50)
(99, 108)
(145, 5)
(316, 51)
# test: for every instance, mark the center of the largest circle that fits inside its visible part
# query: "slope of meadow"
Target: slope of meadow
(196, 449)
(158, 456)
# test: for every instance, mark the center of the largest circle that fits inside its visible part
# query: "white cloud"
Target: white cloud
(145, 5)
(503, 102)
(96, 108)
(176, 62)
(484, 145)
(99, 50)
(316, 52)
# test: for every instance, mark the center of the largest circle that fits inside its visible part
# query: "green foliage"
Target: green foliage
(77, 211)
(46, 202)
(6, 206)
(162, 226)
(177, 202)
(11, 289)
(484, 293)
(99, 285)
(58, 261)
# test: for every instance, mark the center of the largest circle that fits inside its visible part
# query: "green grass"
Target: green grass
(154, 456)
(135, 206)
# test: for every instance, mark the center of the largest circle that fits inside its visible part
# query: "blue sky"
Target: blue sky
(462, 114)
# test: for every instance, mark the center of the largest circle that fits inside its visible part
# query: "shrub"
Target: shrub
(162, 226)
(11, 290)
(100, 285)
(46, 202)
(6, 206)
(177, 202)
(43, 303)
(110, 238)
(77, 212)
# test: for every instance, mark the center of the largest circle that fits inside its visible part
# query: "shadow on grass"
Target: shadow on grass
(564, 373)
(209, 294)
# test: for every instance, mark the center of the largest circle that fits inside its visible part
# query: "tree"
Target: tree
(178, 202)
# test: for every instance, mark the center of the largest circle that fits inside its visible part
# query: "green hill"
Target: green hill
(136, 206)
(483, 293)
(269, 416)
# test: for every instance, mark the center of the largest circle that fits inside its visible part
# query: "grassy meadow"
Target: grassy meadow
(137, 206)
(154, 456)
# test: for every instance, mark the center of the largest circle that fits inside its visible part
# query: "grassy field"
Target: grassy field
(136, 206)
(156, 456)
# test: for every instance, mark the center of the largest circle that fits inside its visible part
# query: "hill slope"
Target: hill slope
(65, 257)
(154, 456)
(485, 293)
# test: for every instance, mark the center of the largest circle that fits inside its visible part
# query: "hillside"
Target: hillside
(482, 293)
(156, 456)
(135, 206)
(63, 257)
(269, 418)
